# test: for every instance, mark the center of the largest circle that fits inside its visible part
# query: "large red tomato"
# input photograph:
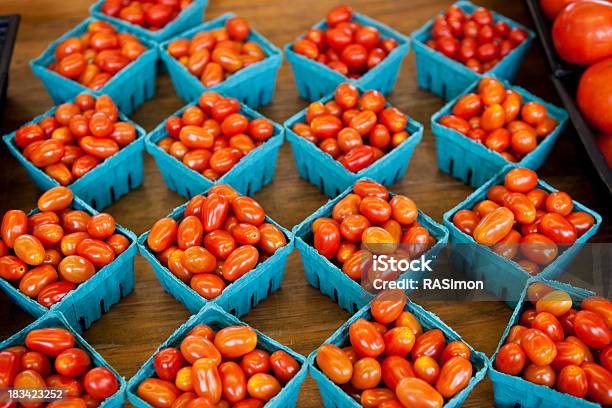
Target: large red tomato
(582, 33)
(552, 8)
(594, 94)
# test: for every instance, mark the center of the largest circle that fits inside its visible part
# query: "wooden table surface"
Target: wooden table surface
(298, 315)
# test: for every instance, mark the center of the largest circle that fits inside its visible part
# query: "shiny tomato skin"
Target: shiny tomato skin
(100, 383)
(599, 305)
(572, 380)
(240, 261)
(256, 361)
(365, 339)
(510, 359)
(592, 329)
(54, 292)
(538, 347)
(454, 376)
(49, 341)
(327, 240)
(494, 226)
(431, 343)
(10, 364)
(394, 368)
(521, 180)
(72, 362)
(12, 268)
(159, 393)
(283, 365)
(599, 383)
(557, 302)
(454, 349)
(194, 347)
(234, 382)
(427, 369)
(235, 341)
(334, 363)
(14, 224)
(541, 375)
(414, 392)
(206, 379)
(548, 324)
(367, 373)
(167, 363)
(568, 353)
(388, 305)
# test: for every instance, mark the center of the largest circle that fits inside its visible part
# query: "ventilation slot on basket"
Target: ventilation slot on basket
(354, 307)
(269, 288)
(102, 308)
(112, 193)
(397, 175)
(469, 177)
(248, 188)
(322, 184)
(130, 181)
(450, 166)
(133, 101)
(233, 312)
(82, 323)
(504, 293)
(121, 294)
(317, 284)
(335, 295)
(188, 192)
(444, 91)
(93, 203)
(253, 301)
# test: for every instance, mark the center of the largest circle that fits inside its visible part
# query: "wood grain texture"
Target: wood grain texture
(297, 315)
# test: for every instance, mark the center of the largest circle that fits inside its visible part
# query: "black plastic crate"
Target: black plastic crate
(565, 77)
(8, 35)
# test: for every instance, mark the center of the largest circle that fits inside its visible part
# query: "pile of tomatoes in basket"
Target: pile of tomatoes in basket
(50, 359)
(393, 362)
(221, 237)
(522, 222)
(151, 14)
(52, 251)
(562, 345)
(77, 138)
(581, 35)
(499, 119)
(95, 57)
(211, 368)
(212, 136)
(475, 40)
(368, 221)
(213, 56)
(354, 129)
(345, 46)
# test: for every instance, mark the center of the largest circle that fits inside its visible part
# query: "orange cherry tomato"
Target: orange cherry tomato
(538, 347)
(206, 379)
(494, 226)
(235, 341)
(194, 347)
(541, 375)
(101, 226)
(240, 261)
(95, 251)
(76, 269)
(190, 232)
(414, 392)
(510, 359)
(521, 180)
(454, 376)
(36, 279)
(560, 203)
(163, 234)
(207, 285)
(49, 341)
(592, 329)
(427, 369)
(366, 373)
(334, 363)
(29, 249)
(539, 248)
(599, 382)
(365, 339)
(234, 382)
(431, 343)
(72, 362)
(158, 393)
(558, 228)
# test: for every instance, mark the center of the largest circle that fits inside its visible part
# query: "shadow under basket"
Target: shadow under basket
(315, 80)
(92, 298)
(129, 88)
(57, 320)
(187, 18)
(448, 78)
(248, 176)
(334, 397)
(331, 177)
(112, 178)
(515, 392)
(238, 297)
(252, 86)
(330, 280)
(502, 277)
(474, 163)
(217, 318)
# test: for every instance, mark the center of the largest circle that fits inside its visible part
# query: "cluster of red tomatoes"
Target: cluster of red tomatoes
(51, 359)
(345, 46)
(522, 222)
(211, 369)
(152, 14)
(370, 218)
(392, 362)
(497, 118)
(212, 137)
(76, 139)
(215, 55)
(354, 129)
(475, 40)
(581, 35)
(93, 58)
(221, 237)
(558, 346)
(52, 251)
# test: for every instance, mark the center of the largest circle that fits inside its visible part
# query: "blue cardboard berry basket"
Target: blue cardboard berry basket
(315, 80)
(330, 280)
(253, 85)
(239, 296)
(334, 397)
(448, 78)
(129, 88)
(502, 277)
(249, 175)
(474, 163)
(112, 178)
(215, 317)
(57, 320)
(187, 18)
(514, 391)
(92, 298)
(331, 177)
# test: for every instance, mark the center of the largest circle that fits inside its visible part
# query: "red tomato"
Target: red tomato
(541, 375)
(431, 343)
(510, 359)
(388, 305)
(72, 362)
(49, 341)
(167, 362)
(194, 347)
(592, 329)
(414, 392)
(334, 363)
(594, 95)
(599, 383)
(100, 383)
(284, 366)
(538, 347)
(454, 376)
(234, 382)
(158, 393)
